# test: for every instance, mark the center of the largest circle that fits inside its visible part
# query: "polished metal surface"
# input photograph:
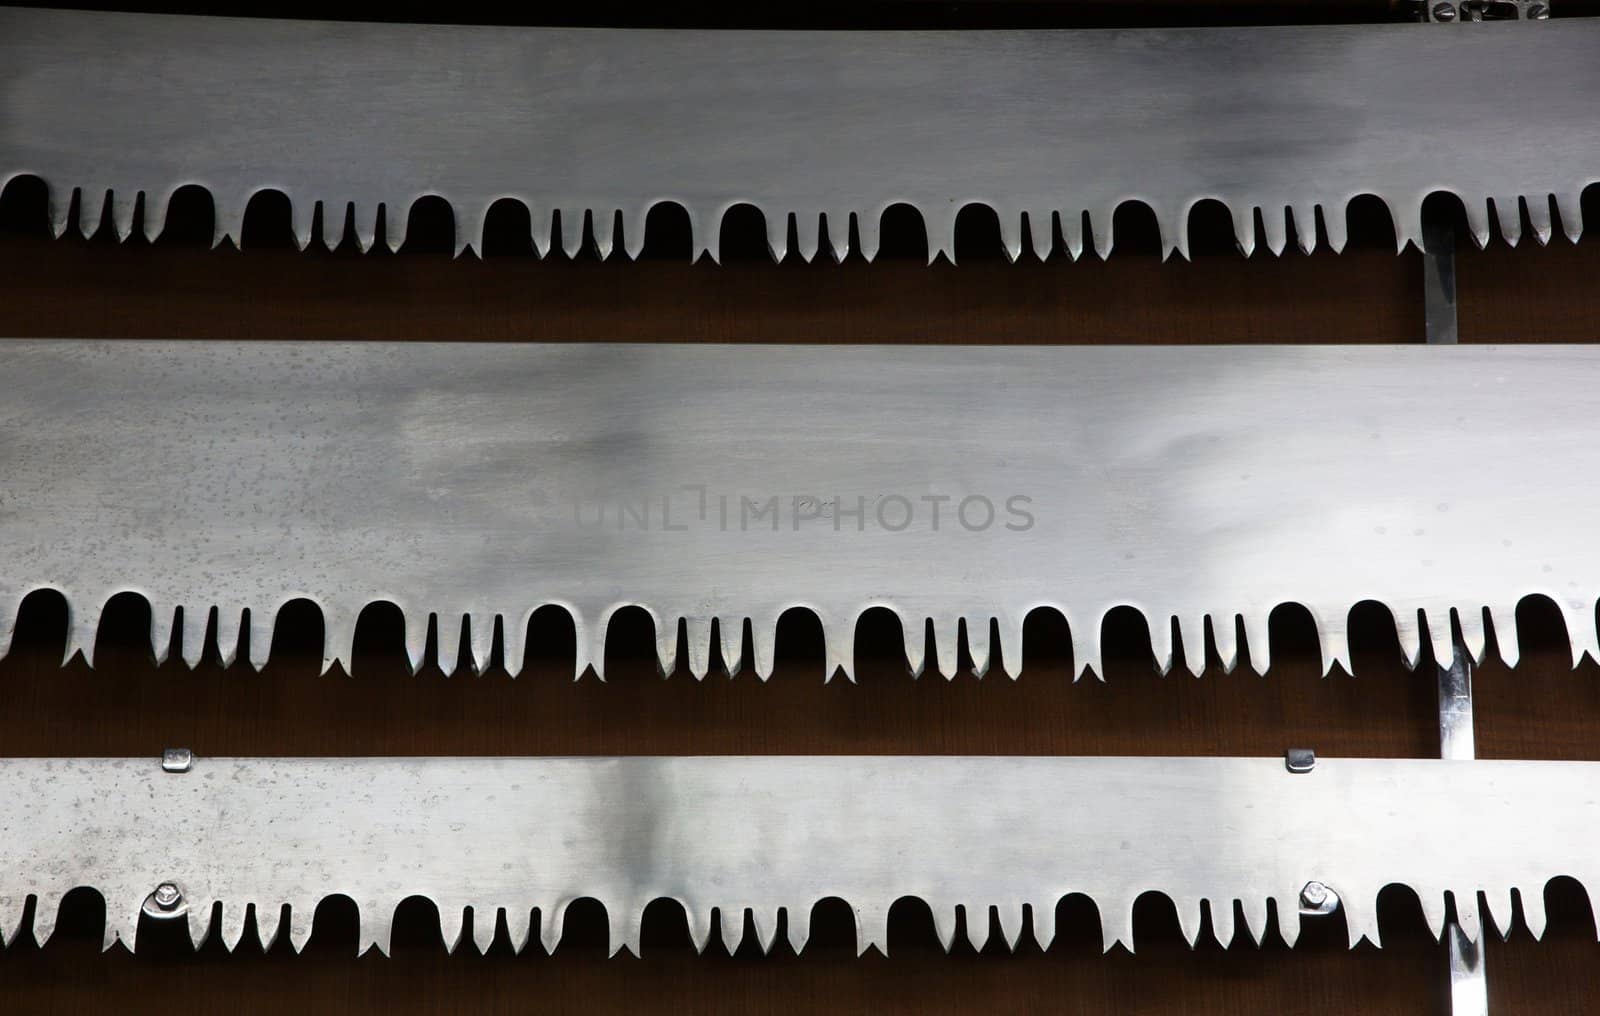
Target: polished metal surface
(1203, 486)
(769, 833)
(1045, 127)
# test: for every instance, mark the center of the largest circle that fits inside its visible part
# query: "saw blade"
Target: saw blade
(819, 131)
(766, 838)
(720, 486)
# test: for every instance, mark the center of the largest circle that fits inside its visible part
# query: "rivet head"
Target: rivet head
(1444, 12)
(167, 896)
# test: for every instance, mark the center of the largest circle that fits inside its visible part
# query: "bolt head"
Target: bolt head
(1444, 12)
(167, 896)
(1315, 894)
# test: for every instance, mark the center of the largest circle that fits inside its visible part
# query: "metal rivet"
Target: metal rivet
(1300, 760)
(1444, 12)
(167, 896)
(177, 760)
(1315, 894)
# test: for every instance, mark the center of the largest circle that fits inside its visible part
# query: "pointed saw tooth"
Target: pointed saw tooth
(838, 649)
(155, 213)
(705, 229)
(301, 214)
(1178, 229)
(452, 922)
(1225, 637)
(1258, 639)
(59, 209)
(229, 623)
(338, 637)
(1569, 206)
(448, 625)
(1473, 637)
(732, 921)
(1539, 217)
(365, 221)
(8, 626)
(605, 232)
(514, 642)
(195, 622)
(1044, 922)
(481, 627)
(1275, 226)
(1467, 918)
(1193, 635)
(1042, 232)
(119, 927)
(519, 925)
(396, 226)
(1102, 229)
(334, 216)
(1171, 228)
(763, 645)
(946, 645)
(1504, 620)
(1190, 918)
(1407, 216)
(730, 633)
(667, 645)
(1361, 920)
(977, 630)
(232, 924)
(1072, 233)
(268, 918)
(1254, 910)
(1335, 225)
(778, 234)
(1010, 918)
(764, 922)
(807, 234)
(1499, 911)
(1010, 628)
(124, 204)
(199, 920)
(12, 910)
(83, 628)
(227, 220)
(799, 927)
(913, 637)
(942, 233)
(1116, 923)
(839, 234)
(571, 226)
(699, 920)
(91, 210)
(542, 230)
(1244, 227)
(1305, 226)
(1160, 629)
(626, 920)
(376, 927)
(1508, 210)
(977, 922)
(1409, 632)
(1441, 635)
(1086, 648)
(944, 923)
(46, 908)
(594, 653)
(552, 921)
(869, 232)
(472, 228)
(1533, 912)
(1010, 233)
(1288, 910)
(1477, 213)
(416, 639)
(698, 636)
(162, 622)
(1222, 926)
(262, 623)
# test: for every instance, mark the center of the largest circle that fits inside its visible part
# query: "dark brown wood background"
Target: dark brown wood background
(126, 705)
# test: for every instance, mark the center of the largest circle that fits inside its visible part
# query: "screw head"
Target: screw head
(1444, 12)
(1315, 894)
(167, 896)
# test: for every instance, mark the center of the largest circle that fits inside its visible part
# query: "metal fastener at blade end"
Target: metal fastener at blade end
(177, 760)
(1316, 898)
(166, 902)
(1444, 12)
(1300, 760)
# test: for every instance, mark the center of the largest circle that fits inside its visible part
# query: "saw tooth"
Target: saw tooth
(1569, 206)
(838, 647)
(705, 234)
(697, 632)
(1222, 925)
(763, 645)
(232, 924)
(1010, 628)
(396, 225)
(977, 632)
(481, 627)
(595, 650)
(605, 232)
(1044, 922)
(1467, 915)
(83, 628)
(1336, 227)
(1305, 226)
(514, 643)
(1288, 910)
(730, 633)
(1539, 217)
(1102, 229)
(302, 914)
(416, 638)
(732, 921)
(667, 644)
(8, 631)
(199, 920)
(1225, 637)
(155, 213)
(1477, 213)
(807, 234)
(1254, 909)
(1275, 227)
(913, 636)
(227, 220)
(1116, 923)
(1041, 230)
(1072, 233)
(334, 216)
(262, 624)
(1160, 629)
(229, 623)
(1504, 621)
(552, 922)
(1473, 637)
(1086, 648)
(1258, 638)
(194, 624)
(699, 920)
(452, 920)
(46, 908)
(1508, 209)
(799, 927)
(519, 925)
(1190, 917)
(778, 235)
(945, 919)
(449, 627)
(1579, 617)
(12, 911)
(942, 233)
(764, 922)
(1244, 227)
(1409, 632)
(542, 229)
(1533, 912)
(1407, 218)
(1433, 911)
(977, 923)
(1193, 635)
(626, 921)
(269, 916)
(947, 645)
(121, 925)
(124, 204)
(1441, 634)
(301, 216)
(1361, 920)
(162, 623)
(365, 221)
(338, 636)
(472, 228)
(1172, 227)
(59, 209)
(571, 226)
(376, 927)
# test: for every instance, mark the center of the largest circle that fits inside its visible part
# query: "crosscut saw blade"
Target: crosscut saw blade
(764, 837)
(961, 487)
(1054, 129)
